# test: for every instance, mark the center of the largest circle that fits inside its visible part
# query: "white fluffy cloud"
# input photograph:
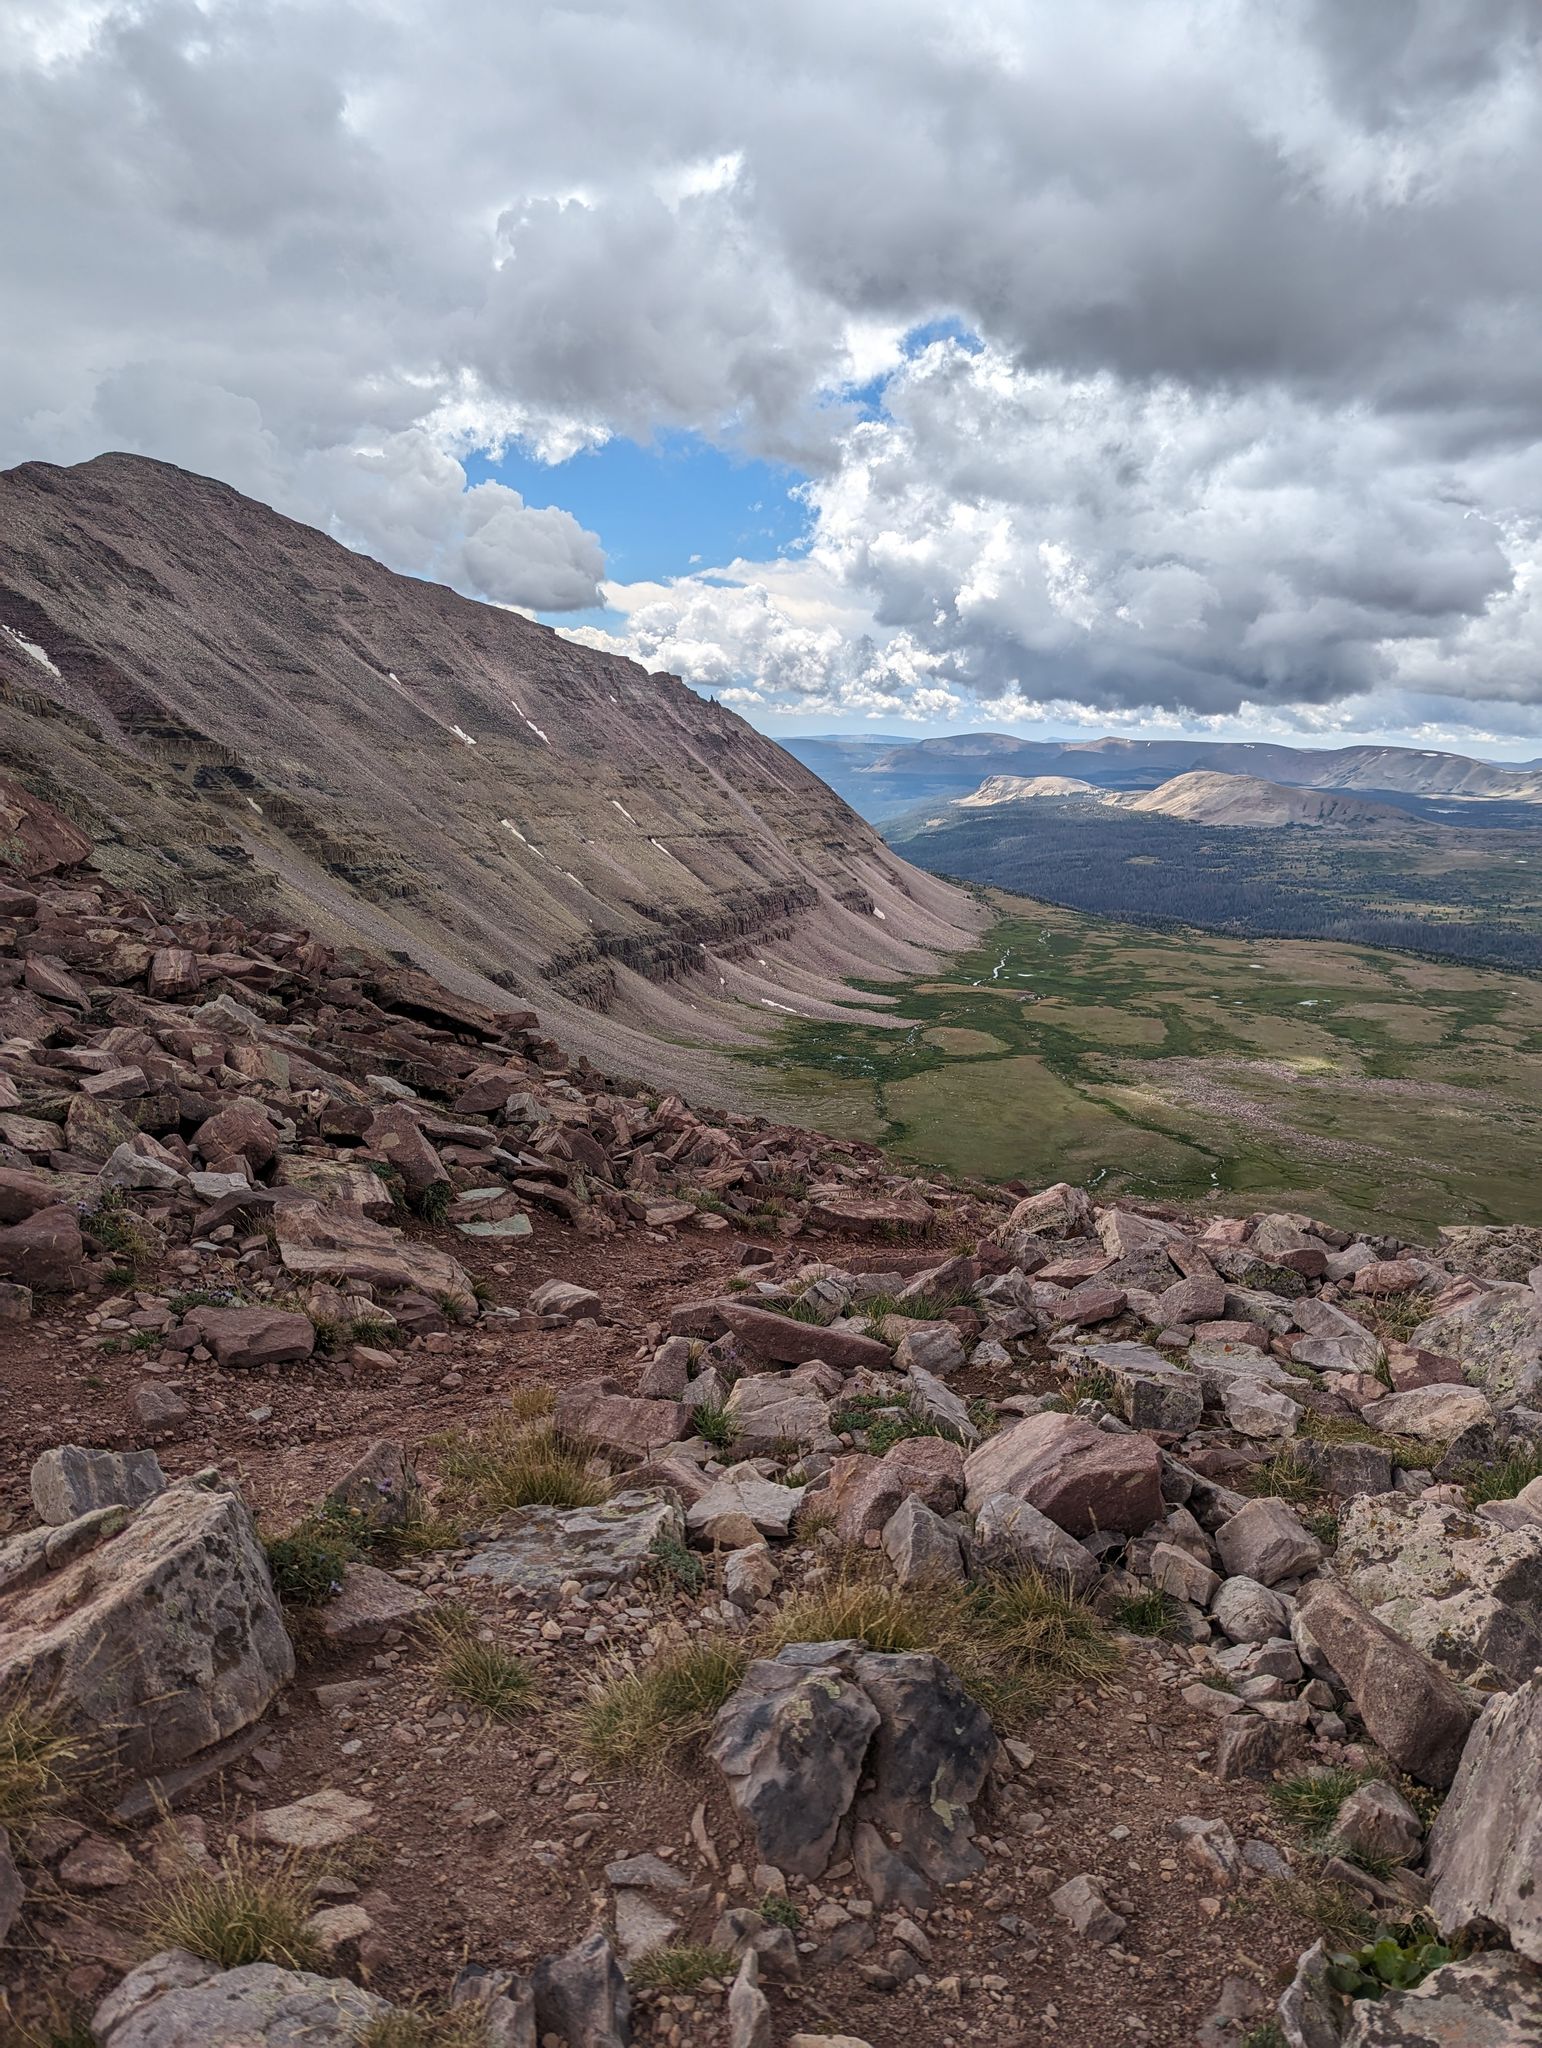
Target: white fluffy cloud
(1257, 420)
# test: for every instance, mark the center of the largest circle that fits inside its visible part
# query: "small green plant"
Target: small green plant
(1096, 1384)
(308, 1564)
(532, 1402)
(42, 1763)
(780, 1910)
(415, 2026)
(713, 1423)
(510, 1464)
(1311, 1800)
(883, 1420)
(1395, 1961)
(638, 1719)
(683, 1966)
(1285, 1476)
(920, 1308)
(1344, 1429)
(1267, 2034)
(1394, 1317)
(1145, 1614)
(203, 1297)
(677, 1565)
(800, 1310)
(1324, 1525)
(485, 1675)
(433, 1204)
(114, 1226)
(1503, 1481)
(241, 1912)
(1014, 1642)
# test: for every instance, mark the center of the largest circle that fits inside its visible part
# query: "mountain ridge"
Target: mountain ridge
(237, 708)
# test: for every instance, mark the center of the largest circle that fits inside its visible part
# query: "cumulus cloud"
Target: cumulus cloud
(1255, 420)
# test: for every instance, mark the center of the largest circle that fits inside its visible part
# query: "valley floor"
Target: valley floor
(1355, 1083)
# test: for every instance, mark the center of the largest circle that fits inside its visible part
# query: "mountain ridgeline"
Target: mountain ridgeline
(242, 712)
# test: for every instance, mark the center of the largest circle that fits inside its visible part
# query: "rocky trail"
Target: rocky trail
(490, 1559)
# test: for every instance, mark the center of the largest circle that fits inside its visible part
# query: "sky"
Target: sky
(1139, 366)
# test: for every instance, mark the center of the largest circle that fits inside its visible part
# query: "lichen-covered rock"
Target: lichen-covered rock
(536, 1549)
(155, 1632)
(1466, 1591)
(1482, 2001)
(1497, 1336)
(1485, 1853)
(70, 1481)
(177, 2000)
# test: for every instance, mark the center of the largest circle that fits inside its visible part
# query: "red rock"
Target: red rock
(23, 1194)
(1197, 1300)
(244, 1130)
(1389, 1276)
(52, 980)
(253, 1337)
(1070, 1272)
(779, 1340)
(393, 1136)
(1091, 1303)
(1408, 1368)
(864, 1492)
(869, 1215)
(1083, 1478)
(173, 972)
(1058, 1211)
(623, 1424)
(44, 1251)
(1228, 1331)
(38, 839)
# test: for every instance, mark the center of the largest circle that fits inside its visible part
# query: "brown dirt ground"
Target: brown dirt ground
(489, 1841)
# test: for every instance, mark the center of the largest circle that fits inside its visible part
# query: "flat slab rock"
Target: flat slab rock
(537, 1549)
(177, 2000)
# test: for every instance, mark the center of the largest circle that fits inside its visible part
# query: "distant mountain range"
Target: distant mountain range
(882, 779)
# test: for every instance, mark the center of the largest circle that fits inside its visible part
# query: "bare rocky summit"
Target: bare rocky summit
(243, 713)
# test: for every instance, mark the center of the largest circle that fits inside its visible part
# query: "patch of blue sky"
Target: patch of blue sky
(666, 508)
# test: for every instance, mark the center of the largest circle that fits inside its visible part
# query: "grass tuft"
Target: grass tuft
(640, 1718)
(532, 1402)
(1145, 1614)
(1013, 1643)
(485, 1675)
(1338, 1914)
(682, 1966)
(513, 1464)
(42, 1764)
(1502, 1481)
(712, 1422)
(415, 2026)
(433, 1204)
(1311, 1800)
(239, 1913)
(676, 1566)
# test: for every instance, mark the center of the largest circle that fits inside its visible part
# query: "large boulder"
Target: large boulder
(1056, 1212)
(810, 1726)
(870, 1215)
(1083, 1478)
(1485, 1852)
(1462, 1589)
(1407, 1703)
(1434, 1414)
(322, 1243)
(625, 1425)
(69, 1481)
(253, 1339)
(1011, 1537)
(581, 1997)
(155, 1633)
(1497, 1336)
(1148, 1391)
(864, 1492)
(1481, 2001)
(178, 2000)
(1265, 1541)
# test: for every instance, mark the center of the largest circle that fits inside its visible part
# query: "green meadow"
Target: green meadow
(1362, 1086)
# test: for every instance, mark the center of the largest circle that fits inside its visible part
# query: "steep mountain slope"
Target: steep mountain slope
(1204, 797)
(240, 710)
